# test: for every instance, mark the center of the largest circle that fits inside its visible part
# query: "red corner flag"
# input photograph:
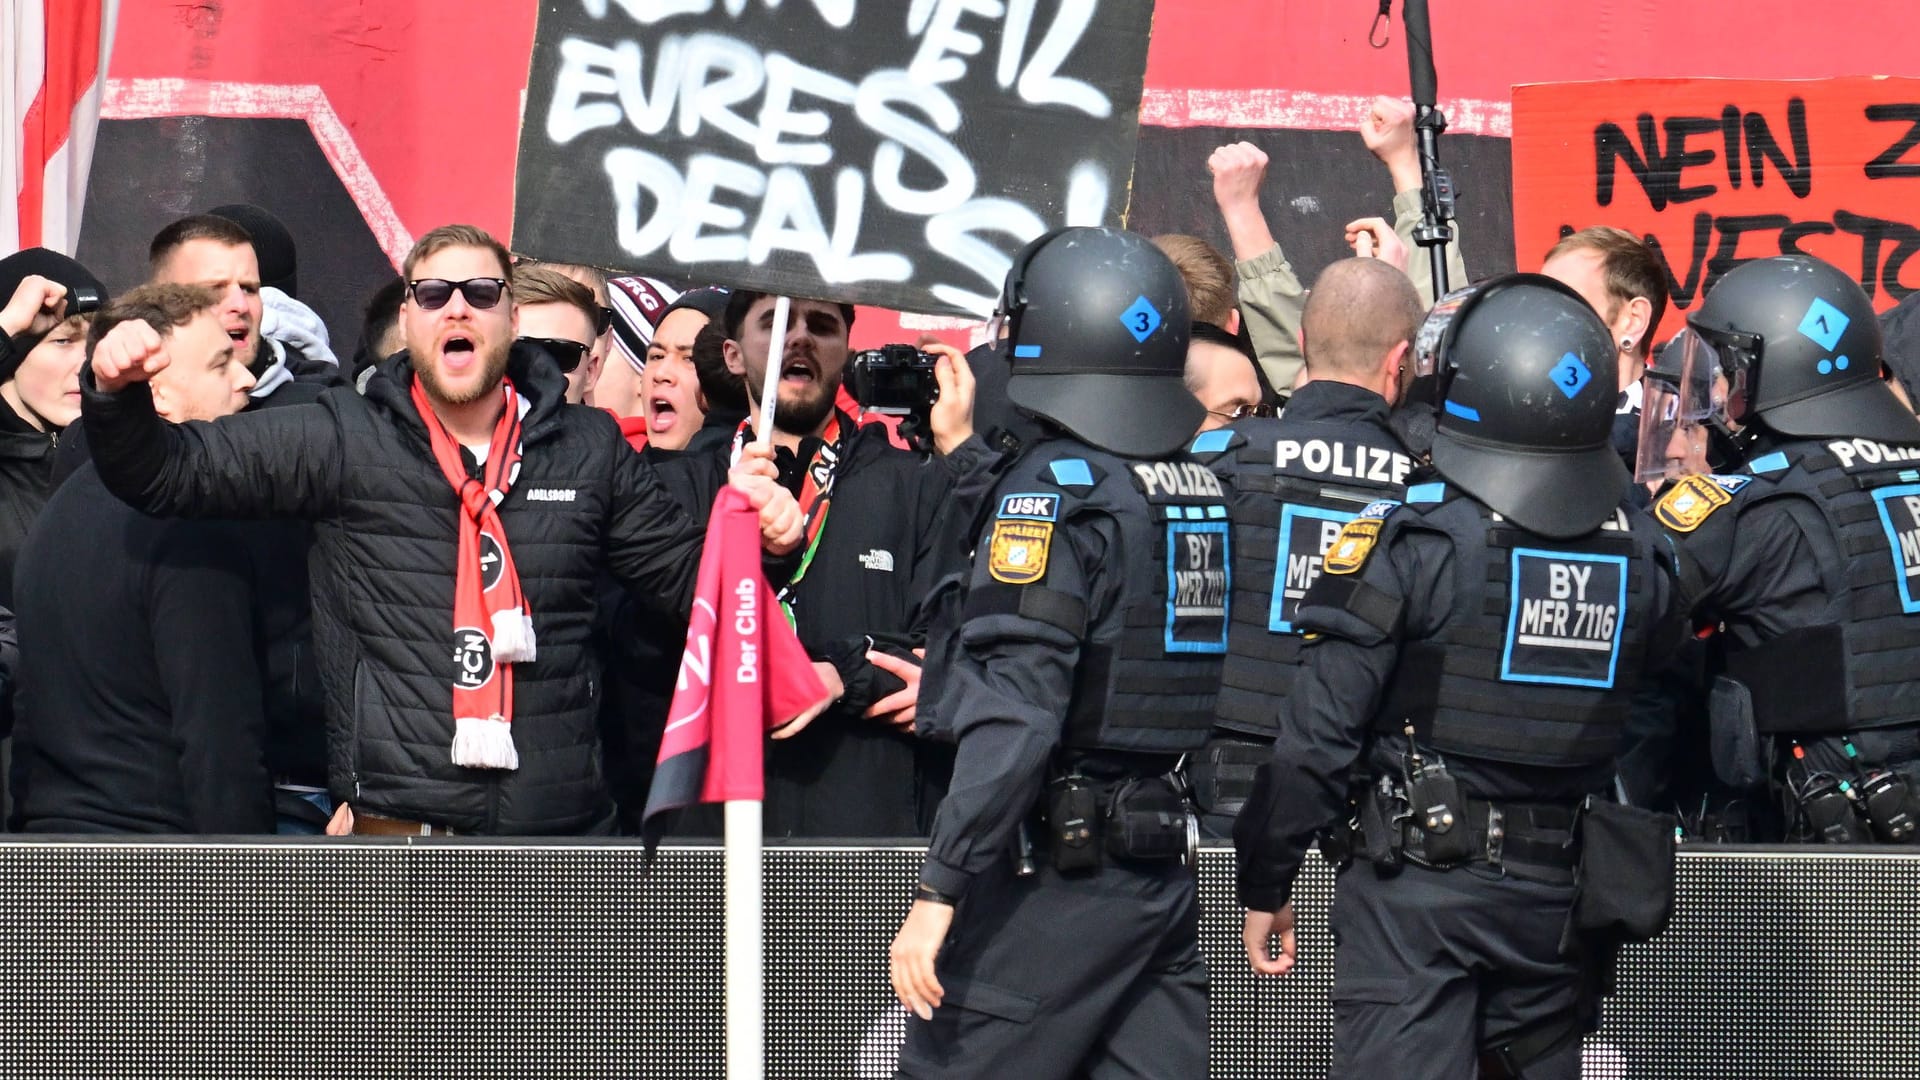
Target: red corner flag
(743, 672)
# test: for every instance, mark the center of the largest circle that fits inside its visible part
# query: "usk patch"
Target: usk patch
(1689, 502)
(1353, 545)
(1017, 551)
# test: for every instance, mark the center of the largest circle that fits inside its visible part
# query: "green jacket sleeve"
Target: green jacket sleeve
(1271, 300)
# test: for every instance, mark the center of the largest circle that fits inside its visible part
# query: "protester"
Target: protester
(1271, 296)
(1222, 374)
(595, 280)
(638, 304)
(558, 314)
(164, 732)
(872, 512)
(214, 251)
(283, 317)
(380, 335)
(1209, 276)
(1625, 282)
(723, 395)
(42, 349)
(431, 495)
(670, 387)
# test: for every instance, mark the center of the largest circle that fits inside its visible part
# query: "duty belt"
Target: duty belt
(1533, 841)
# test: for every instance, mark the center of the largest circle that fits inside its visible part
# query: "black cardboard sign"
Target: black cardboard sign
(887, 152)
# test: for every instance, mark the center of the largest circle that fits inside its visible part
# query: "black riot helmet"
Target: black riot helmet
(1097, 327)
(1799, 344)
(1526, 378)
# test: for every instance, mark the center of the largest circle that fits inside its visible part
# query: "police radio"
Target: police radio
(1439, 809)
(1885, 797)
(1828, 806)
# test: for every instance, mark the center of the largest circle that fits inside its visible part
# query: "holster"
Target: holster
(1148, 820)
(1382, 812)
(1223, 774)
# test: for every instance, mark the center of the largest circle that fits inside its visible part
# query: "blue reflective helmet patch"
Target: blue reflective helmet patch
(1570, 376)
(1823, 324)
(1141, 319)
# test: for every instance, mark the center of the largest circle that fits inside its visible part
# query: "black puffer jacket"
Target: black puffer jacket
(383, 571)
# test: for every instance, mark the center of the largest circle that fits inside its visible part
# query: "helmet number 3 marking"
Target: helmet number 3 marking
(1141, 319)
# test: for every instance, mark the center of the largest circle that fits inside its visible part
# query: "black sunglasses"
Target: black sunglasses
(602, 319)
(432, 294)
(567, 354)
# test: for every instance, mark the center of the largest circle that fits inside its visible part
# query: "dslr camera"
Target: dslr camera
(895, 379)
(898, 380)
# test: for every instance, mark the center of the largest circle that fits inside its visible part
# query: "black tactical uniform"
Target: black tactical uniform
(1470, 661)
(1808, 555)
(1083, 665)
(1295, 481)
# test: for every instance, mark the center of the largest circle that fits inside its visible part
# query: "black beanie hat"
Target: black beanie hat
(48, 264)
(708, 300)
(272, 245)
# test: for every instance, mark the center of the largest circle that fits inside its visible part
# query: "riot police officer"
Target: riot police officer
(1470, 658)
(1808, 554)
(1295, 481)
(1084, 665)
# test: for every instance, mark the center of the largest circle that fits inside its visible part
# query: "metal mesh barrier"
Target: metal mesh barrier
(384, 958)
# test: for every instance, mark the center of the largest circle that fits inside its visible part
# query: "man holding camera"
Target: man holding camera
(872, 514)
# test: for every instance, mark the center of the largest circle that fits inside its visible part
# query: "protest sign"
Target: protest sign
(1716, 172)
(884, 152)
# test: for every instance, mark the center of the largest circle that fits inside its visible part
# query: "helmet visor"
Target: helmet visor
(1679, 399)
(1429, 341)
(1736, 356)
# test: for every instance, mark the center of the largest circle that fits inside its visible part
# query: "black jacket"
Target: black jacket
(846, 776)
(139, 707)
(361, 468)
(26, 479)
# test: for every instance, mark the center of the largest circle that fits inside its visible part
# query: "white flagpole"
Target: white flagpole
(770, 383)
(746, 995)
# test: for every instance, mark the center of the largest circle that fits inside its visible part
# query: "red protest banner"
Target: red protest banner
(1716, 172)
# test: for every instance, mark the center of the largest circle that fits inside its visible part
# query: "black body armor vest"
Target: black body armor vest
(1538, 663)
(1855, 671)
(1293, 484)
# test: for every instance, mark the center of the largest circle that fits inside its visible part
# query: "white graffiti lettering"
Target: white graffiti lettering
(785, 186)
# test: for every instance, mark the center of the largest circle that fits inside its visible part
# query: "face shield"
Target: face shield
(1683, 396)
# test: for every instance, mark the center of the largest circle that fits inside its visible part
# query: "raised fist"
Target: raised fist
(131, 352)
(1237, 173)
(36, 307)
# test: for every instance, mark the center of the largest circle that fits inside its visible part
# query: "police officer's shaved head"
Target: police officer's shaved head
(1359, 310)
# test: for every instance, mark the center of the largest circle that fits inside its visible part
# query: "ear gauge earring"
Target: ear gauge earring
(1626, 344)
